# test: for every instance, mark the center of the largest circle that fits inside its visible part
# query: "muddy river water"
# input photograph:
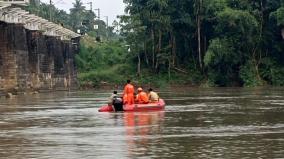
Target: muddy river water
(197, 123)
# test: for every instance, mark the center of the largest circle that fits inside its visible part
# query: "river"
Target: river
(197, 123)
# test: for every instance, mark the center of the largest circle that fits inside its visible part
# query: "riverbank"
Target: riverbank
(162, 81)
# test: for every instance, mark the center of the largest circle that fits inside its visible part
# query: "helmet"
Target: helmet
(139, 89)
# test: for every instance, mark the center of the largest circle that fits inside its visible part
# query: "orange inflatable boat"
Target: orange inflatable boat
(137, 107)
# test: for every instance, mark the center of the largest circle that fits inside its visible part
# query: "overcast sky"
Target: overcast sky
(110, 8)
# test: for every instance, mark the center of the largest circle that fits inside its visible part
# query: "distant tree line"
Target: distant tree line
(79, 18)
(226, 42)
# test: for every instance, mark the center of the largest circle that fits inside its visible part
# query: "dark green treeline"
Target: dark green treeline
(223, 42)
(208, 42)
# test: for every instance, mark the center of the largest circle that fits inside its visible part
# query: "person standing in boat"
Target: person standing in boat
(128, 93)
(153, 96)
(142, 97)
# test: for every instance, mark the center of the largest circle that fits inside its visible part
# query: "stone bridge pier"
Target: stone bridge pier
(36, 57)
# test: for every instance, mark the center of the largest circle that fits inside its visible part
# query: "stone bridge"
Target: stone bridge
(35, 54)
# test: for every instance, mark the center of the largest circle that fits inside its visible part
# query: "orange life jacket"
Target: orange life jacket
(142, 98)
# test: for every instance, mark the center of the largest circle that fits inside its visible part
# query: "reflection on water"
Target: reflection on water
(197, 123)
(139, 126)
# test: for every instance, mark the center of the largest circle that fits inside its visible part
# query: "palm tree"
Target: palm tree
(77, 14)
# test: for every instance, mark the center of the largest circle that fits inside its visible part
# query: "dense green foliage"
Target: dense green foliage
(111, 62)
(101, 62)
(231, 43)
(208, 42)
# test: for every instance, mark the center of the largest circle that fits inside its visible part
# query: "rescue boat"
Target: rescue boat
(137, 107)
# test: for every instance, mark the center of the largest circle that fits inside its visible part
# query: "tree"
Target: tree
(77, 13)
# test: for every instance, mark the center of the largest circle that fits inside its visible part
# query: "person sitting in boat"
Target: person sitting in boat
(110, 99)
(153, 96)
(142, 97)
(115, 101)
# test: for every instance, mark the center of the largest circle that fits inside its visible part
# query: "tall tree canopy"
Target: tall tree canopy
(227, 42)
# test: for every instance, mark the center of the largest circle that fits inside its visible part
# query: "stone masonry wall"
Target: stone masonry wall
(30, 60)
(8, 76)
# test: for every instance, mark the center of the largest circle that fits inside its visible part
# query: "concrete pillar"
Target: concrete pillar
(47, 61)
(33, 58)
(20, 49)
(14, 53)
(9, 67)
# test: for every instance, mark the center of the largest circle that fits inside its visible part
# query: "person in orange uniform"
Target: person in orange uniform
(142, 97)
(128, 93)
